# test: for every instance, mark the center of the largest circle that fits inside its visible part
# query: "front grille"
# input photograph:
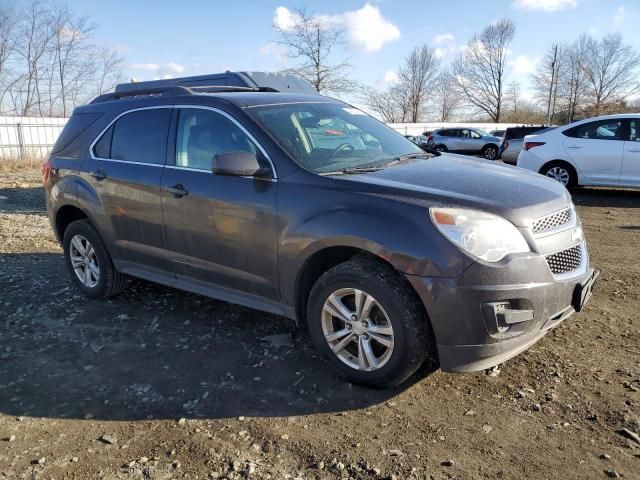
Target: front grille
(552, 221)
(565, 261)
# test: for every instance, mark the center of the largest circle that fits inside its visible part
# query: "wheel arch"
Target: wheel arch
(64, 216)
(562, 161)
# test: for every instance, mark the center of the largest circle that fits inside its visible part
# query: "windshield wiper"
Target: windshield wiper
(354, 171)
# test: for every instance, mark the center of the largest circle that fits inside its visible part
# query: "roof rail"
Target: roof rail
(172, 90)
(177, 90)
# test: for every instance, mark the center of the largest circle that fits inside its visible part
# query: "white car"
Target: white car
(601, 151)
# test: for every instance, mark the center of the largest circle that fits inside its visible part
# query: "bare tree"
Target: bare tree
(418, 73)
(8, 41)
(611, 69)
(72, 55)
(446, 96)
(310, 39)
(480, 69)
(109, 66)
(513, 96)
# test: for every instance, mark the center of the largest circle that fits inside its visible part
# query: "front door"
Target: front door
(597, 149)
(470, 140)
(220, 230)
(630, 174)
(125, 171)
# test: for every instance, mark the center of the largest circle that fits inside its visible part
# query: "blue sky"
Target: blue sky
(168, 38)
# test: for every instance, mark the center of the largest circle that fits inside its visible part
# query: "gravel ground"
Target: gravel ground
(160, 384)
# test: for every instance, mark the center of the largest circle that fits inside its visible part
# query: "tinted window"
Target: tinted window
(77, 124)
(448, 133)
(521, 132)
(600, 130)
(102, 148)
(203, 134)
(141, 136)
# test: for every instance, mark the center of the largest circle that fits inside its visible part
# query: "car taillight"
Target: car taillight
(530, 145)
(505, 145)
(46, 171)
(430, 138)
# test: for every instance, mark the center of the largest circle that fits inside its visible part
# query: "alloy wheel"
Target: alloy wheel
(559, 174)
(84, 261)
(357, 329)
(491, 153)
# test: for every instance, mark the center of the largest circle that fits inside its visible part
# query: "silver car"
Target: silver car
(466, 140)
(513, 140)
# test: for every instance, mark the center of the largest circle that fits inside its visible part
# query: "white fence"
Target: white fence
(23, 137)
(419, 128)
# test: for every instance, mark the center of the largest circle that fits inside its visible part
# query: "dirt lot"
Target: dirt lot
(160, 384)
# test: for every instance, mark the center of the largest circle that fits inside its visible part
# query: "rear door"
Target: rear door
(220, 230)
(630, 174)
(450, 138)
(125, 169)
(597, 149)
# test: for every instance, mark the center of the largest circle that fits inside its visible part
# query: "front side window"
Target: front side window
(634, 133)
(203, 134)
(139, 136)
(600, 130)
(325, 137)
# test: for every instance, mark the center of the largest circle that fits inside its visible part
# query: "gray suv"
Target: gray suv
(466, 140)
(303, 206)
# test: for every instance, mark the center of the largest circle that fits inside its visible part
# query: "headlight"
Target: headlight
(481, 234)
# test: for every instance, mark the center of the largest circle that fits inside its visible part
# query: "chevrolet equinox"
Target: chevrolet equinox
(303, 206)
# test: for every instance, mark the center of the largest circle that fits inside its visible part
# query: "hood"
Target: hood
(458, 181)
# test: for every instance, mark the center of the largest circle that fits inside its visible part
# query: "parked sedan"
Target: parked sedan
(601, 151)
(465, 140)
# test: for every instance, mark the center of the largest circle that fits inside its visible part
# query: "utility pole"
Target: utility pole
(551, 85)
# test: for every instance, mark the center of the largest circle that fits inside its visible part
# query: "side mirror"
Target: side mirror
(239, 164)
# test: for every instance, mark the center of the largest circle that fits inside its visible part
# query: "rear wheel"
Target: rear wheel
(490, 152)
(366, 321)
(89, 263)
(440, 148)
(561, 172)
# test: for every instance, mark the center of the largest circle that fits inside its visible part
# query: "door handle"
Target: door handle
(177, 190)
(99, 174)
(634, 150)
(574, 146)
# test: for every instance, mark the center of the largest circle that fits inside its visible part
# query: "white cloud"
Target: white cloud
(439, 52)
(443, 38)
(545, 5)
(161, 70)
(285, 18)
(366, 28)
(391, 77)
(523, 65)
(621, 13)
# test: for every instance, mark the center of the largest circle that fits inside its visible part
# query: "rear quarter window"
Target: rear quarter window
(74, 127)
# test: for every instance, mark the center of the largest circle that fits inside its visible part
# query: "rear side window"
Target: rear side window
(600, 130)
(634, 133)
(139, 136)
(448, 133)
(77, 124)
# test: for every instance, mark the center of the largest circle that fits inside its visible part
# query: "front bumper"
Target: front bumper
(469, 337)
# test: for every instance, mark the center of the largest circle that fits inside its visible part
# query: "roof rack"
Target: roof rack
(177, 90)
(142, 92)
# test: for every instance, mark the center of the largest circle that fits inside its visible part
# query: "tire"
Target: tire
(396, 305)
(441, 148)
(490, 152)
(107, 281)
(561, 171)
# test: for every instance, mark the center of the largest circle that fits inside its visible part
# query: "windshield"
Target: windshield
(328, 137)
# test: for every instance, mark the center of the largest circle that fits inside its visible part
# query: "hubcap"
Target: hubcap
(84, 261)
(357, 329)
(559, 174)
(490, 153)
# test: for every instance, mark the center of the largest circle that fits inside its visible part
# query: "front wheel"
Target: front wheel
(490, 152)
(370, 326)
